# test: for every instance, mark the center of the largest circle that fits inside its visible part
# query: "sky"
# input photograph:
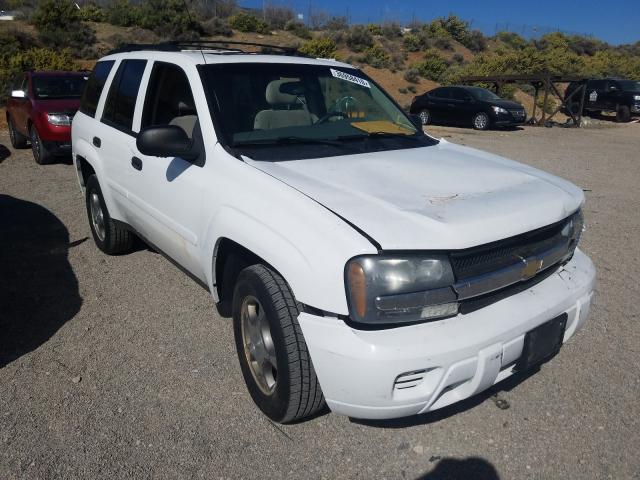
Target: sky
(615, 21)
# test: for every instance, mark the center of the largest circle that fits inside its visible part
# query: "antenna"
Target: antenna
(186, 7)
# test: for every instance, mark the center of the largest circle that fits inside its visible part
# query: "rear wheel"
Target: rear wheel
(17, 139)
(41, 155)
(623, 114)
(481, 121)
(425, 117)
(111, 238)
(273, 355)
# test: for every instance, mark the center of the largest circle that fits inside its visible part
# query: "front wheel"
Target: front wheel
(623, 114)
(110, 237)
(425, 117)
(41, 154)
(481, 121)
(273, 354)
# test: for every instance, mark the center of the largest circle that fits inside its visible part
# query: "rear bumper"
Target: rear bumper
(442, 362)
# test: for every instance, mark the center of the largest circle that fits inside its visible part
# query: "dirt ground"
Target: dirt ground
(119, 367)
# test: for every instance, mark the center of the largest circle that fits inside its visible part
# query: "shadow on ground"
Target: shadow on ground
(38, 289)
(4, 153)
(472, 468)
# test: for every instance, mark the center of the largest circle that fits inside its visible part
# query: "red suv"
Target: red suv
(40, 109)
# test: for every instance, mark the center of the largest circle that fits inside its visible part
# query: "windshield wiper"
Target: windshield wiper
(287, 141)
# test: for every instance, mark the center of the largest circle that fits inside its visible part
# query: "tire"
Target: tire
(109, 237)
(266, 329)
(623, 114)
(425, 116)
(41, 155)
(481, 121)
(17, 139)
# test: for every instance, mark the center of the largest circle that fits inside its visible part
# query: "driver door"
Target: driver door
(166, 193)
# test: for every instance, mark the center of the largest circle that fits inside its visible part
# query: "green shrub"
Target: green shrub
(457, 58)
(169, 19)
(374, 29)
(403, 90)
(336, 24)
(298, 29)
(412, 88)
(391, 30)
(248, 23)
(319, 48)
(122, 13)
(217, 27)
(377, 57)
(59, 25)
(359, 38)
(433, 66)
(92, 13)
(512, 40)
(411, 42)
(412, 75)
(475, 41)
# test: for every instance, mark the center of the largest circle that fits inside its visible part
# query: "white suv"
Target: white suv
(365, 264)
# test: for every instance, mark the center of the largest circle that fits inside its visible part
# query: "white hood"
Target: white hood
(440, 197)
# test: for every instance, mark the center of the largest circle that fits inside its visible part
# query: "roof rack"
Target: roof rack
(221, 47)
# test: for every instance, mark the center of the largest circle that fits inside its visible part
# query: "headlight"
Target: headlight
(390, 288)
(636, 97)
(59, 119)
(499, 109)
(573, 230)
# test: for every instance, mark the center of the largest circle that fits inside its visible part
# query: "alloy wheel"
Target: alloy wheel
(97, 215)
(259, 349)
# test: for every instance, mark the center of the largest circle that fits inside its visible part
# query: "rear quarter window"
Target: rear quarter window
(95, 85)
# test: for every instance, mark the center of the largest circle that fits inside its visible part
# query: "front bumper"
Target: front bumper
(415, 369)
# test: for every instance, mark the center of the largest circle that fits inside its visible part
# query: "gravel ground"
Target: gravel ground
(119, 367)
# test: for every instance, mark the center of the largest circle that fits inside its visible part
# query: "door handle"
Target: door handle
(97, 142)
(136, 163)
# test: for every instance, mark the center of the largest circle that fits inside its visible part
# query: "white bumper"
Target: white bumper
(455, 358)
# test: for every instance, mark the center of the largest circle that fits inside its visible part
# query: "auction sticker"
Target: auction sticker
(350, 78)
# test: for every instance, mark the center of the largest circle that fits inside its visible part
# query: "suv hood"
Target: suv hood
(440, 197)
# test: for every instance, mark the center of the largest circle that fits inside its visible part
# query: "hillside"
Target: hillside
(405, 61)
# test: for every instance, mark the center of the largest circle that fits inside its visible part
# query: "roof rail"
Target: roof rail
(223, 46)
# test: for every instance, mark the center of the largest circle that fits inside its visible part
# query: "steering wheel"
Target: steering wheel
(329, 115)
(341, 107)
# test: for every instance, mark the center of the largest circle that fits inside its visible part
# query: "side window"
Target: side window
(123, 93)
(95, 85)
(459, 94)
(442, 93)
(169, 100)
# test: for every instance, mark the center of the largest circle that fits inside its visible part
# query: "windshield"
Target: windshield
(483, 94)
(629, 85)
(273, 111)
(58, 86)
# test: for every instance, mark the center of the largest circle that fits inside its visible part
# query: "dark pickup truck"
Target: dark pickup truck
(609, 95)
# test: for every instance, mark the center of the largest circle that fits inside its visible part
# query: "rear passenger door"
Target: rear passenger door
(166, 193)
(462, 108)
(438, 100)
(114, 136)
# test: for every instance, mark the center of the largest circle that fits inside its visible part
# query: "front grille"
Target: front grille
(488, 258)
(517, 113)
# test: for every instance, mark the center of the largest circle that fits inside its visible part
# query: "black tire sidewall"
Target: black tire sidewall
(40, 153)
(623, 114)
(274, 406)
(94, 186)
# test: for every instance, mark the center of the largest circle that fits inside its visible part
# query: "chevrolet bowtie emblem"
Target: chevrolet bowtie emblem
(531, 267)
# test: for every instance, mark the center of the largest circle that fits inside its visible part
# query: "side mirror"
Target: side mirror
(166, 141)
(416, 120)
(18, 94)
